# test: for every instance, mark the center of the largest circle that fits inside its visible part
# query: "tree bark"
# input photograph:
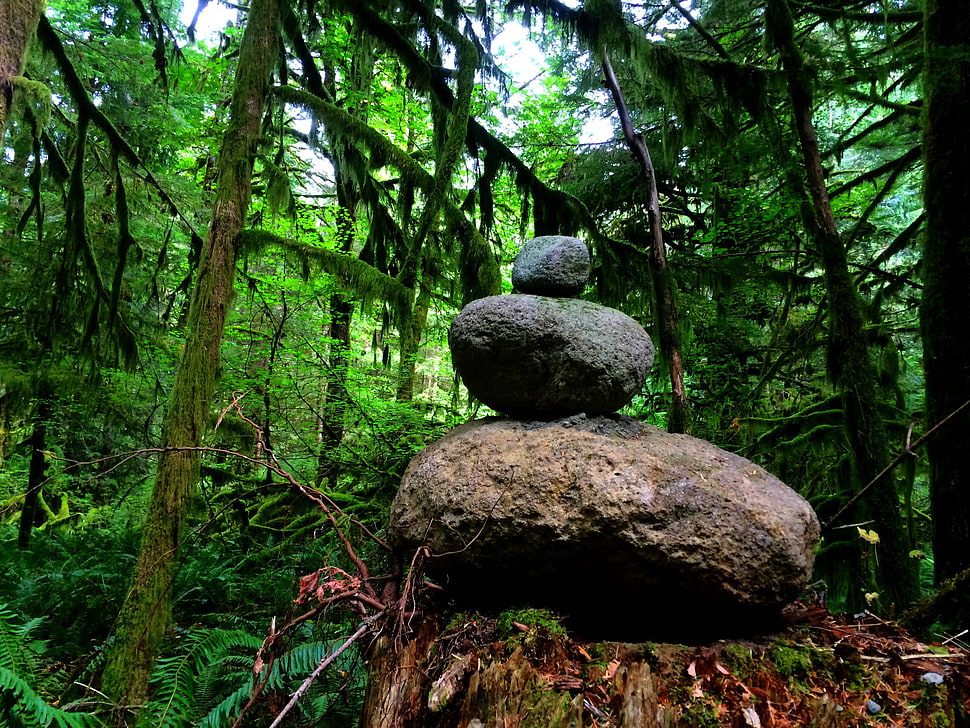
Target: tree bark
(396, 682)
(16, 29)
(946, 272)
(341, 315)
(849, 362)
(411, 332)
(37, 473)
(146, 612)
(334, 409)
(668, 322)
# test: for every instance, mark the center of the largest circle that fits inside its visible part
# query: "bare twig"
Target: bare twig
(324, 663)
(907, 452)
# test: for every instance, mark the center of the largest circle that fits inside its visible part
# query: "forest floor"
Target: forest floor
(822, 670)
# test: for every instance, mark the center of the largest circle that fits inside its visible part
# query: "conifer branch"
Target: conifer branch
(52, 44)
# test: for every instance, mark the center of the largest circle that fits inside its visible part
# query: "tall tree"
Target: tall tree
(946, 272)
(146, 612)
(849, 361)
(38, 470)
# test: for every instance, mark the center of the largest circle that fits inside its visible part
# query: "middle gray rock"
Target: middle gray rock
(549, 357)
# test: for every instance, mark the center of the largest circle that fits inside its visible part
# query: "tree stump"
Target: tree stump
(482, 672)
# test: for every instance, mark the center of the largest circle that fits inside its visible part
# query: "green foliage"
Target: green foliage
(210, 678)
(184, 682)
(84, 575)
(403, 162)
(20, 704)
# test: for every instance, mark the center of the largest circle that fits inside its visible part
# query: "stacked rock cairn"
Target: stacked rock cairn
(628, 530)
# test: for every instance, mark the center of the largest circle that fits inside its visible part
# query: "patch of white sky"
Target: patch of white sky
(525, 63)
(212, 20)
(523, 60)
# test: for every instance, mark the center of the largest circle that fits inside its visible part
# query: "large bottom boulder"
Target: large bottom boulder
(631, 531)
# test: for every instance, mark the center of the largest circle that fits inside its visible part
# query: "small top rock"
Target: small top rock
(552, 265)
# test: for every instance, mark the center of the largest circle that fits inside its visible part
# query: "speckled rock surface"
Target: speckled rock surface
(547, 357)
(552, 265)
(606, 519)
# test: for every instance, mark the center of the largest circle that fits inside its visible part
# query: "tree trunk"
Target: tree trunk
(411, 332)
(946, 272)
(146, 612)
(37, 473)
(335, 407)
(16, 29)
(849, 363)
(668, 322)
(341, 315)
(396, 682)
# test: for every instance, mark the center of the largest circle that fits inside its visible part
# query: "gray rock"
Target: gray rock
(552, 265)
(548, 357)
(633, 532)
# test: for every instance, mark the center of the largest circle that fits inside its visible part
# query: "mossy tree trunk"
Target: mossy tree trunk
(19, 21)
(146, 612)
(341, 315)
(36, 474)
(946, 278)
(849, 363)
(411, 332)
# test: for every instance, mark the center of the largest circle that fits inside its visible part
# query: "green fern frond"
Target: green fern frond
(15, 653)
(304, 659)
(176, 701)
(20, 705)
(223, 713)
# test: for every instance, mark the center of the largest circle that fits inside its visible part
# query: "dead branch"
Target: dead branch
(907, 452)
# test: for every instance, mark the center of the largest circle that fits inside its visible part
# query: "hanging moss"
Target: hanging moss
(476, 252)
(355, 275)
(77, 89)
(558, 212)
(32, 99)
(467, 63)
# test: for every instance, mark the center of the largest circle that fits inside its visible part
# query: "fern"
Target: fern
(178, 678)
(209, 665)
(223, 713)
(15, 654)
(19, 703)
